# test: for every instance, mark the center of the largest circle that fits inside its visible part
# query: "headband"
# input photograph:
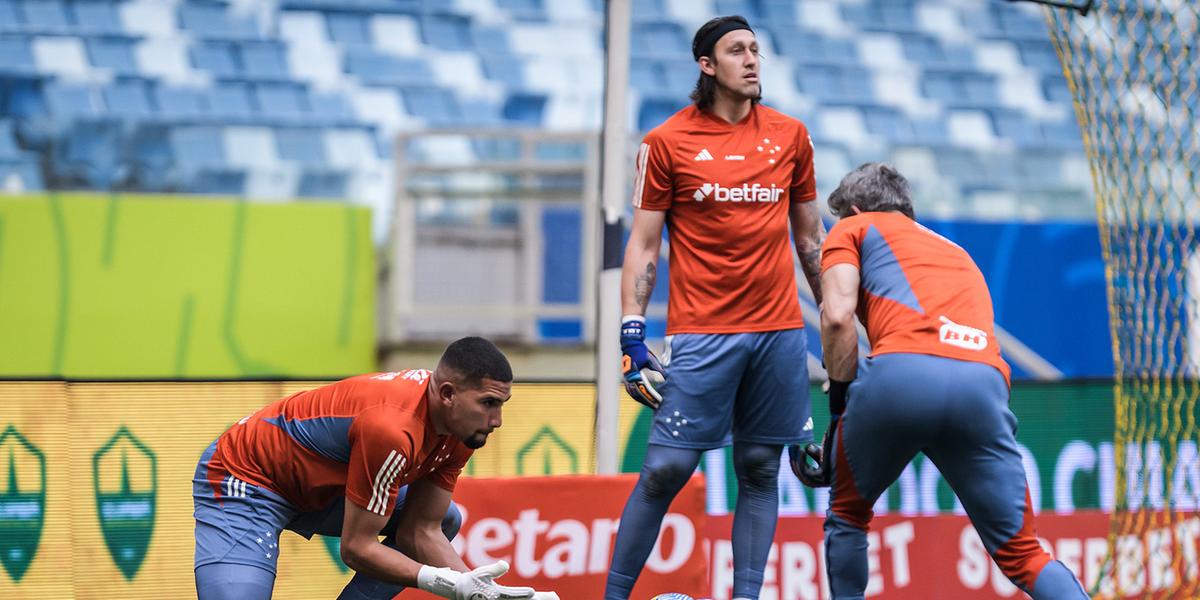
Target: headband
(704, 46)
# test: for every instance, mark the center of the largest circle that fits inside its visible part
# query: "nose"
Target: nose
(494, 420)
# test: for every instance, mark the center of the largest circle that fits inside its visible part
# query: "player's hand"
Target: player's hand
(643, 372)
(819, 471)
(480, 585)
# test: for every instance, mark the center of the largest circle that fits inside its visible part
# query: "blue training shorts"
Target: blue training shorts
(743, 387)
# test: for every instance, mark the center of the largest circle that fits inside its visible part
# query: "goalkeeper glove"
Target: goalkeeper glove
(821, 474)
(642, 370)
(474, 585)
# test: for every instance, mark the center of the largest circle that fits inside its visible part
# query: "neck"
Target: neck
(729, 107)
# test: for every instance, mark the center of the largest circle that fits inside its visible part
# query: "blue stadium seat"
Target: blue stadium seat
(524, 10)
(778, 12)
(129, 99)
(482, 113)
(88, 154)
(282, 102)
(960, 88)
(230, 102)
(660, 40)
(1063, 134)
(446, 31)
(16, 57)
(644, 76)
(436, 106)
(264, 60)
(930, 132)
(216, 58)
(654, 111)
(1016, 126)
(200, 164)
(331, 109)
(10, 18)
(525, 109)
(45, 16)
(112, 53)
(810, 47)
(504, 68)
(897, 15)
(490, 39)
(9, 151)
(645, 11)
(746, 8)
(1056, 90)
(302, 145)
(678, 76)
(836, 85)
(97, 18)
(214, 21)
(348, 28)
(888, 123)
(930, 52)
(376, 68)
(1040, 55)
(68, 102)
(180, 104)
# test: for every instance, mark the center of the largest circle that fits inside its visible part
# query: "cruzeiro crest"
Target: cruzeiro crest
(125, 478)
(22, 501)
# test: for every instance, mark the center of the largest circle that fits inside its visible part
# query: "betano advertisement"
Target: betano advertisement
(95, 495)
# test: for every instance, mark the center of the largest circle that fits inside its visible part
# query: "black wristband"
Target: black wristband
(837, 396)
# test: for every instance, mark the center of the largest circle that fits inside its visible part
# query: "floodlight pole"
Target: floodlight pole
(614, 144)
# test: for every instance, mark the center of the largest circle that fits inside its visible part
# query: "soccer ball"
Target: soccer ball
(672, 596)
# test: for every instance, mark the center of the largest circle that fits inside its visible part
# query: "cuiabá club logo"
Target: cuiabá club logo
(125, 479)
(22, 501)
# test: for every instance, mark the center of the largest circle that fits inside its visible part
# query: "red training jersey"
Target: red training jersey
(919, 292)
(362, 438)
(727, 189)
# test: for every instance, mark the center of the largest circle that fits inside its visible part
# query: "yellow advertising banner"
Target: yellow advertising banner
(95, 480)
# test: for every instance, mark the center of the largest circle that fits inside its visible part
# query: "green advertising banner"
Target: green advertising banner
(182, 287)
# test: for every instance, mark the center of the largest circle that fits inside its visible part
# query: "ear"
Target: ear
(707, 66)
(856, 210)
(446, 391)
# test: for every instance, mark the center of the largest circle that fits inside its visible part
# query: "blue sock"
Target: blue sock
(1057, 581)
(664, 472)
(757, 468)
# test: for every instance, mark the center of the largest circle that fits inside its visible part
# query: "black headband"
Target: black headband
(704, 46)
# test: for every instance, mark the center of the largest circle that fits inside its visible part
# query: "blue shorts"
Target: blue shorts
(743, 387)
(244, 525)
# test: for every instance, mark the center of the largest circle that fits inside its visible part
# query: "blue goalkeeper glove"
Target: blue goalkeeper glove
(642, 370)
(819, 471)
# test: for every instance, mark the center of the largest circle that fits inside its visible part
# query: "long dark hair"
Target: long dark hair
(705, 91)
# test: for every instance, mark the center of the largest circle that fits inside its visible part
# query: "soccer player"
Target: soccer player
(726, 176)
(367, 456)
(934, 382)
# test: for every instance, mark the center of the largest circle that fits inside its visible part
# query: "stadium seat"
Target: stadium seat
(348, 29)
(215, 58)
(129, 99)
(97, 18)
(214, 21)
(200, 165)
(61, 56)
(114, 54)
(375, 68)
(1016, 126)
(45, 16)
(281, 102)
(16, 57)
(20, 176)
(525, 109)
(523, 10)
(70, 102)
(180, 104)
(662, 39)
(396, 34)
(263, 60)
(436, 106)
(446, 32)
(230, 102)
(331, 109)
(10, 19)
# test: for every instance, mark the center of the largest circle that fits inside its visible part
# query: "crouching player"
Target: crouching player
(934, 383)
(367, 456)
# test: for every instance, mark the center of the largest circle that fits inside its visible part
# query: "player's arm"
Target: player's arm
(362, 551)
(640, 269)
(808, 233)
(839, 337)
(639, 273)
(419, 531)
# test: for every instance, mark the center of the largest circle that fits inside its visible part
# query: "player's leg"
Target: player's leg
(237, 533)
(886, 422)
(771, 410)
(977, 454)
(703, 372)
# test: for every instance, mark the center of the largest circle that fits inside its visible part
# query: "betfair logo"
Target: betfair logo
(747, 192)
(125, 478)
(22, 501)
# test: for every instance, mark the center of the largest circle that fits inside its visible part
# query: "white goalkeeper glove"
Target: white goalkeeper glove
(474, 585)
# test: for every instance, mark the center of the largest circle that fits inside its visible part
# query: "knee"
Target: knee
(757, 464)
(663, 480)
(452, 522)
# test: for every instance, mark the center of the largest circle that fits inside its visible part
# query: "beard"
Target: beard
(476, 441)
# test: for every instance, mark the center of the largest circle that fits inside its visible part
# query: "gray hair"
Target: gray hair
(872, 187)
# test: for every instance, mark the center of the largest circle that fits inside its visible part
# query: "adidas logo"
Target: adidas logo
(704, 155)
